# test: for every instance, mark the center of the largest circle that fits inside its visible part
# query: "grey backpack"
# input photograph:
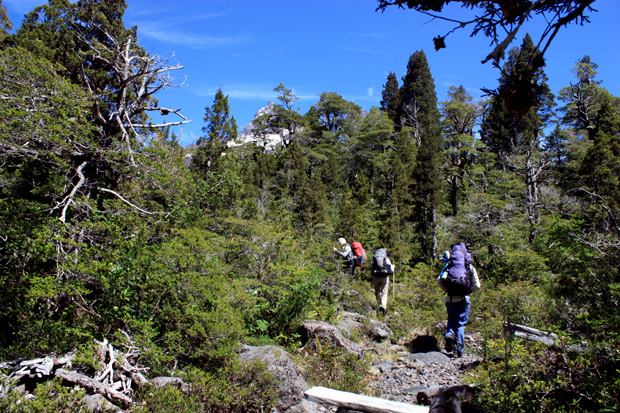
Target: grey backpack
(380, 265)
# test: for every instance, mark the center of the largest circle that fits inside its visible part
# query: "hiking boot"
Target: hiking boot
(449, 343)
(457, 354)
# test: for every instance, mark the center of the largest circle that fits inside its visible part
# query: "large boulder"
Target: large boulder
(328, 335)
(431, 357)
(350, 323)
(162, 381)
(292, 384)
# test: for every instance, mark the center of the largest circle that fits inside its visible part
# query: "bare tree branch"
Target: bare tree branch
(129, 203)
(69, 198)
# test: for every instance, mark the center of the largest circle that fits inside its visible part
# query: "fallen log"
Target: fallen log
(359, 402)
(531, 334)
(94, 386)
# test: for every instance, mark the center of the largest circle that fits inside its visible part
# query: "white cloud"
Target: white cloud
(194, 41)
(248, 92)
(244, 92)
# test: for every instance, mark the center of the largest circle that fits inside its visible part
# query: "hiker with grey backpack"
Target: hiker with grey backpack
(458, 279)
(381, 269)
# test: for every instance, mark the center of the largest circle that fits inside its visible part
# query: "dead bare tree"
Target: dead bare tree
(137, 77)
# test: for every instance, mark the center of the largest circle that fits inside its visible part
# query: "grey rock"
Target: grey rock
(349, 322)
(430, 357)
(98, 403)
(379, 331)
(172, 381)
(292, 384)
(384, 367)
(329, 335)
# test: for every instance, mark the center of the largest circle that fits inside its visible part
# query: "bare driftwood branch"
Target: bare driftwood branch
(128, 203)
(360, 402)
(115, 380)
(159, 125)
(69, 198)
(94, 386)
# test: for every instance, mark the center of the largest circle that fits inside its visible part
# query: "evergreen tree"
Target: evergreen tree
(555, 145)
(5, 22)
(512, 126)
(400, 208)
(219, 129)
(419, 106)
(390, 102)
(460, 115)
(372, 156)
(583, 98)
(600, 168)
(336, 116)
(86, 39)
(521, 104)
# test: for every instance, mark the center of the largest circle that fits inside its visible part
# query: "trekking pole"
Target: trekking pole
(393, 284)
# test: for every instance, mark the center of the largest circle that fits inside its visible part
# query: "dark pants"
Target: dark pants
(358, 261)
(458, 315)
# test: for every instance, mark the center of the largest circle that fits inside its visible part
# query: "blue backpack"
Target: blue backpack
(457, 280)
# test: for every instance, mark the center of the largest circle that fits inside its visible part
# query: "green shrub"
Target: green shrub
(167, 399)
(237, 387)
(335, 368)
(49, 397)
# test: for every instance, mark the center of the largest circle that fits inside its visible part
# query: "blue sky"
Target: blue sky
(248, 47)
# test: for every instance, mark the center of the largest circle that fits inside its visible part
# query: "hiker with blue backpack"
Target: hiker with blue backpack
(458, 279)
(381, 269)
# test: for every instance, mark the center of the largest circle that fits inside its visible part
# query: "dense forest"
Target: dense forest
(109, 228)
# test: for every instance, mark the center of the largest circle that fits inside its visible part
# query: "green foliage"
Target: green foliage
(167, 399)
(238, 387)
(335, 368)
(49, 397)
(521, 376)
(415, 296)
(520, 105)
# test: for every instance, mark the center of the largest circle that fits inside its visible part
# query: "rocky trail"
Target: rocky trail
(413, 372)
(412, 377)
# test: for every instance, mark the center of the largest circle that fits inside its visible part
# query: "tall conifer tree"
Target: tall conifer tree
(390, 101)
(520, 105)
(420, 113)
(219, 128)
(601, 165)
(460, 116)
